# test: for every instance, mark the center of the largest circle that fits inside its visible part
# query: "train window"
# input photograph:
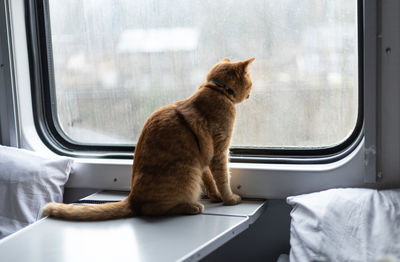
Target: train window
(110, 63)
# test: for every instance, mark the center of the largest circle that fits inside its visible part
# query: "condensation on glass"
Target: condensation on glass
(116, 61)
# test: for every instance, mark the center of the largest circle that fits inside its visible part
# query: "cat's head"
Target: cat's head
(232, 78)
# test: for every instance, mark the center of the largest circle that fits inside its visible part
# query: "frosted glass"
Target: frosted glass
(115, 62)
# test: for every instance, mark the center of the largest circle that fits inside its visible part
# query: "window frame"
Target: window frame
(47, 126)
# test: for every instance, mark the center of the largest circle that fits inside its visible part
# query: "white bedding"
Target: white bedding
(27, 182)
(345, 225)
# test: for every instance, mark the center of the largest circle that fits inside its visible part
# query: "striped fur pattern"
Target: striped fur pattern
(88, 212)
(182, 148)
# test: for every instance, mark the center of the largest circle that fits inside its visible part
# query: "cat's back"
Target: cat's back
(161, 119)
(160, 125)
(166, 136)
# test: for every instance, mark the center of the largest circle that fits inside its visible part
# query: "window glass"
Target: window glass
(116, 61)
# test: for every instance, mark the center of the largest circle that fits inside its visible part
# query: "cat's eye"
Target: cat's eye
(112, 63)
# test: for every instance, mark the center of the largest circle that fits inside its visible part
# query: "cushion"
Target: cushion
(345, 225)
(27, 182)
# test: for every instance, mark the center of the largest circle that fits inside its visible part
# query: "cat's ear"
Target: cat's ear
(226, 60)
(244, 64)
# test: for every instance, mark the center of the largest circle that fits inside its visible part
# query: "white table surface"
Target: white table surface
(178, 238)
(248, 208)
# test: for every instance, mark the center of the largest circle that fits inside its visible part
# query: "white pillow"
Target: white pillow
(345, 225)
(27, 182)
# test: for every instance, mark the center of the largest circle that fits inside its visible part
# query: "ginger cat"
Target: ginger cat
(181, 147)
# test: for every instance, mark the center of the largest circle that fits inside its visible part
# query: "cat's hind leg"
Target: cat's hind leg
(186, 208)
(165, 208)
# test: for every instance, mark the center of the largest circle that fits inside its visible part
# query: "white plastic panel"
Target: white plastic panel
(247, 208)
(183, 238)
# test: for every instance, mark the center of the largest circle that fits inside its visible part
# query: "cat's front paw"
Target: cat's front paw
(235, 199)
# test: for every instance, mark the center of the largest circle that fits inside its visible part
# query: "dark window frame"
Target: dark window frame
(47, 126)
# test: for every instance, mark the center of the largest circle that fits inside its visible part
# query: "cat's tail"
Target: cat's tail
(90, 212)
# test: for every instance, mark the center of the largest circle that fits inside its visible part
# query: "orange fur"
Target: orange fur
(181, 147)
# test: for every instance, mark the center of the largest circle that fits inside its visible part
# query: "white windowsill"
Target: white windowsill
(178, 238)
